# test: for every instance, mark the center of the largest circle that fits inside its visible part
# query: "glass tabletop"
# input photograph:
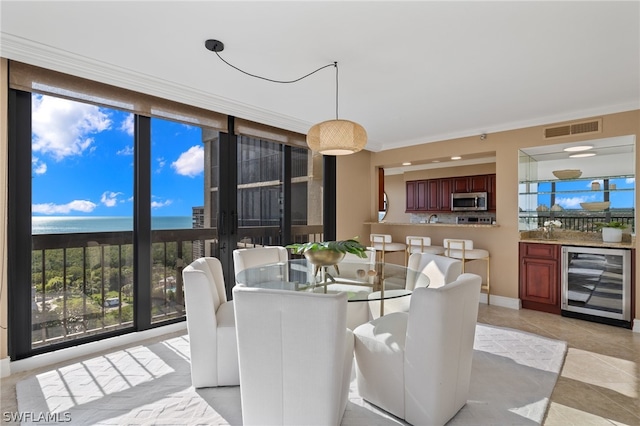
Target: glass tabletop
(362, 281)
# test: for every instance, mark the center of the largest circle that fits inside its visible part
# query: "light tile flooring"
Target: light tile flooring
(599, 383)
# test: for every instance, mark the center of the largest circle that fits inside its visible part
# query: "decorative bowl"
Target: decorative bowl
(323, 257)
(567, 174)
(596, 206)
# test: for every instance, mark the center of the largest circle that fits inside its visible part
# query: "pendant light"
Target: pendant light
(331, 137)
(337, 137)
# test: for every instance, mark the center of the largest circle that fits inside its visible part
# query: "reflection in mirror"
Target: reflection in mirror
(385, 207)
(599, 189)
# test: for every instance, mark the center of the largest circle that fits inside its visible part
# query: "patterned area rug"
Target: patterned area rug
(512, 379)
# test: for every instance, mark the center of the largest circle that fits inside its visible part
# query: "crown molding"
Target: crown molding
(37, 54)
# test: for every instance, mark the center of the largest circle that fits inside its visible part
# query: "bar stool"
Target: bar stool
(463, 250)
(383, 244)
(417, 244)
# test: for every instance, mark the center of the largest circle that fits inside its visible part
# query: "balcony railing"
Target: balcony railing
(82, 283)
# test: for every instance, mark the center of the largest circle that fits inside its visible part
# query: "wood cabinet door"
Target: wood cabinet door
(412, 199)
(477, 183)
(445, 194)
(491, 193)
(460, 184)
(433, 195)
(540, 277)
(422, 195)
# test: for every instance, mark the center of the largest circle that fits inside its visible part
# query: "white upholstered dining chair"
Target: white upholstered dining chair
(295, 356)
(210, 325)
(423, 270)
(251, 257)
(417, 365)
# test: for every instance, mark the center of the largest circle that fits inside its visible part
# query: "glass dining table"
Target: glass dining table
(363, 281)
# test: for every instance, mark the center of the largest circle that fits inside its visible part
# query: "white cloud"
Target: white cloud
(630, 180)
(84, 206)
(159, 204)
(109, 198)
(127, 150)
(39, 167)
(190, 163)
(62, 128)
(127, 125)
(161, 163)
(573, 202)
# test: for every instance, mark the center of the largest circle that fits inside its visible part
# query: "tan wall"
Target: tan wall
(502, 241)
(355, 193)
(3, 209)
(395, 188)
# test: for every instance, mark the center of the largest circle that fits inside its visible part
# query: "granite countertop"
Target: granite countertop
(577, 238)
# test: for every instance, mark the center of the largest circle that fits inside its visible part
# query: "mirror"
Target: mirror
(385, 207)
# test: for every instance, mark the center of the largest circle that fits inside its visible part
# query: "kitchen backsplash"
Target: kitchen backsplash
(448, 217)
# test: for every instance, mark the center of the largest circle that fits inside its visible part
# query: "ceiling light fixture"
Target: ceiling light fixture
(578, 148)
(584, 154)
(406, 163)
(331, 137)
(456, 157)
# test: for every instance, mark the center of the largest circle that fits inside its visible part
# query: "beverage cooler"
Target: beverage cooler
(596, 284)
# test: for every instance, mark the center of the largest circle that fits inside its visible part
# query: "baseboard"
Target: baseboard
(11, 367)
(505, 302)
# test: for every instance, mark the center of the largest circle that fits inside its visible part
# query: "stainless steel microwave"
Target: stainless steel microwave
(468, 201)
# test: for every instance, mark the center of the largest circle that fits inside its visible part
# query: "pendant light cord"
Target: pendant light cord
(335, 64)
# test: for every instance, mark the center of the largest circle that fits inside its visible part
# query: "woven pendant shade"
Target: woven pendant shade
(337, 137)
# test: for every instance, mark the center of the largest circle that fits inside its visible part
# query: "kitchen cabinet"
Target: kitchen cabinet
(478, 183)
(540, 277)
(460, 184)
(491, 192)
(445, 194)
(416, 195)
(434, 195)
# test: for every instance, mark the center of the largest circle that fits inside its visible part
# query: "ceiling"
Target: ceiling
(409, 72)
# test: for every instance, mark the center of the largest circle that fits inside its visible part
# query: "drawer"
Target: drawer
(540, 251)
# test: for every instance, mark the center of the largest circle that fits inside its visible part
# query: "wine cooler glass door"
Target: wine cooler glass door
(596, 282)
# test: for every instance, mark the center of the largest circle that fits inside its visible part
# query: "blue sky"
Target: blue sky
(82, 162)
(569, 194)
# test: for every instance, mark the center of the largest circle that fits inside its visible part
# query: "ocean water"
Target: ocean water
(71, 224)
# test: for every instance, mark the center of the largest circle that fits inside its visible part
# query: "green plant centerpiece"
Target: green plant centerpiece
(611, 231)
(328, 253)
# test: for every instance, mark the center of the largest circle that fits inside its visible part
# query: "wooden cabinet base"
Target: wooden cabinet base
(537, 306)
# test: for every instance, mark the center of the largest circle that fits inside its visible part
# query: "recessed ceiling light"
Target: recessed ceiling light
(406, 163)
(585, 154)
(435, 161)
(456, 157)
(578, 148)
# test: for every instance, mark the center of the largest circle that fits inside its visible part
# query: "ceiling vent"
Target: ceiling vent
(577, 128)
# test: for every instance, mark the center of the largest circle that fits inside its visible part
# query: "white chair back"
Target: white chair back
(417, 365)
(437, 389)
(210, 324)
(457, 244)
(295, 356)
(439, 270)
(257, 256)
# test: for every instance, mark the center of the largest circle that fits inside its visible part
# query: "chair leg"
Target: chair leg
(488, 285)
